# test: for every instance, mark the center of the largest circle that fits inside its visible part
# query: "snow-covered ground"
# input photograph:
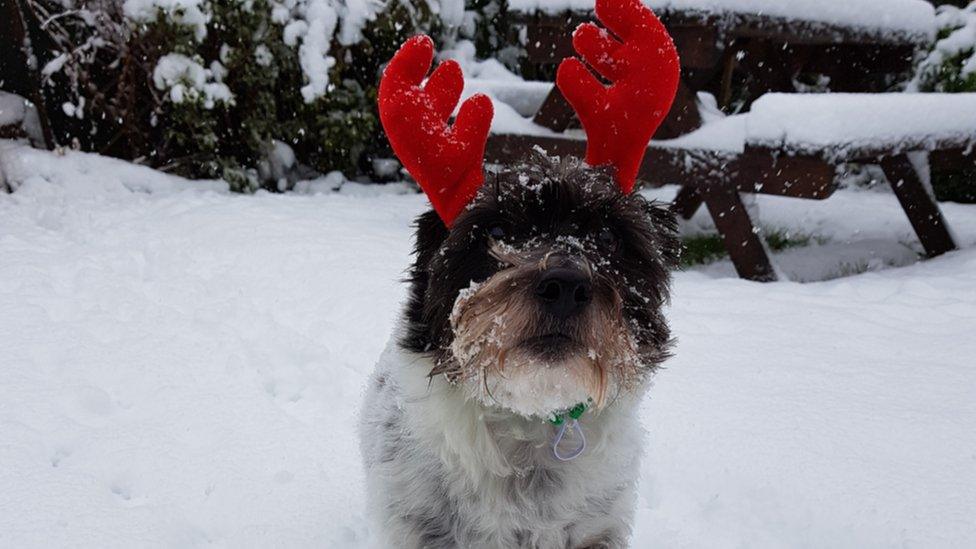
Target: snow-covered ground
(182, 367)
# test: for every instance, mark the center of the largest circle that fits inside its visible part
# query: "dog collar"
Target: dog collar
(574, 413)
(560, 420)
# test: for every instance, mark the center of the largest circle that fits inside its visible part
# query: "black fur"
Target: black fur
(542, 201)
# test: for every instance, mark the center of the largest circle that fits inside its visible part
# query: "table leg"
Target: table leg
(743, 244)
(683, 117)
(555, 113)
(687, 201)
(920, 207)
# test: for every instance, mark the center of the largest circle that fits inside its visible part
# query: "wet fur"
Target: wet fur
(457, 453)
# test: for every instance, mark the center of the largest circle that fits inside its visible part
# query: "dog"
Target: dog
(503, 412)
(546, 292)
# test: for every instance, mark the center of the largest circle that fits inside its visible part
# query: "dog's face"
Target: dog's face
(547, 291)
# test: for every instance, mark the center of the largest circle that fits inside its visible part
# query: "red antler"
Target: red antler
(643, 69)
(445, 160)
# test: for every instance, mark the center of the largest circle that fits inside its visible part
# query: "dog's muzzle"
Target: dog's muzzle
(564, 291)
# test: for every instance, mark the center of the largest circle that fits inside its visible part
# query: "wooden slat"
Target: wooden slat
(768, 171)
(777, 29)
(698, 45)
(871, 152)
(755, 171)
(509, 149)
(953, 159)
(549, 39)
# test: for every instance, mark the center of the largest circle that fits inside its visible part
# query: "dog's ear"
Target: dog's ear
(665, 223)
(430, 234)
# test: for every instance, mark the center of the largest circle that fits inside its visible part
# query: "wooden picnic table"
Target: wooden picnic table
(796, 145)
(720, 48)
(768, 52)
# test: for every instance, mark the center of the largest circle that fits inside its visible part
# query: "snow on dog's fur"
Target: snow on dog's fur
(546, 292)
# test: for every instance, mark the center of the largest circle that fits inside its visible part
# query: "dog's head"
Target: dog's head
(541, 288)
(546, 291)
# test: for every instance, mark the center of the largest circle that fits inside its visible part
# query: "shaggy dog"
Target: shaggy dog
(544, 295)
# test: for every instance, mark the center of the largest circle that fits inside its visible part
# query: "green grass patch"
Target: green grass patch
(701, 249)
(780, 239)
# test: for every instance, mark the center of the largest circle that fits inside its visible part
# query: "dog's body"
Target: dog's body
(446, 472)
(544, 294)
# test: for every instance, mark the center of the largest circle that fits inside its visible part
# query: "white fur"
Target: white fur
(532, 389)
(448, 470)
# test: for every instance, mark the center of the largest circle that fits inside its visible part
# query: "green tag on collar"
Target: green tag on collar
(574, 413)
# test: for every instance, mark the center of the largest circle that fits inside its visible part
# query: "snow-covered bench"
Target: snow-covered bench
(741, 49)
(875, 20)
(791, 145)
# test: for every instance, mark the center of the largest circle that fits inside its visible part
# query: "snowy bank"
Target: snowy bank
(182, 367)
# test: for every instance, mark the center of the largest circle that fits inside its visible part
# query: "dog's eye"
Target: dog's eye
(497, 232)
(607, 239)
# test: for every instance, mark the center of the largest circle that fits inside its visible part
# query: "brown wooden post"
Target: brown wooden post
(683, 117)
(687, 201)
(555, 113)
(746, 250)
(920, 207)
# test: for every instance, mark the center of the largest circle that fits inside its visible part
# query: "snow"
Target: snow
(836, 125)
(493, 79)
(185, 79)
(514, 104)
(190, 13)
(12, 109)
(912, 18)
(722, 135)
(309, 25)
(17, 111)
(321, 19)
(183, 366)
(312, 24)
(843, 123)
(524, 97)
(959, 42)
(54, 65)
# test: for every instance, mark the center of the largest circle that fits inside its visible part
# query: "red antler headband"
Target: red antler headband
(445, 160)
(619, 119)
(643, 69)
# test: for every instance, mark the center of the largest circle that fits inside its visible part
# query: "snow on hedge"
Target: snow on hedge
(951, 65)
(12, 109)
(842, 123)
(184, 79)
(309, 25)
(190, 13)
(913, 18)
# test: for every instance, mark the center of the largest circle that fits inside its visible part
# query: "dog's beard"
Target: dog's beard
(507, 352)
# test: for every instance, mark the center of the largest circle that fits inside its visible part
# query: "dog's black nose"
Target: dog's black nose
(564, 291)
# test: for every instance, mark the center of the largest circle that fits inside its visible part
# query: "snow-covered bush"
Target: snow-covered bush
(488, 25)
(254, 91)
(950, 66)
